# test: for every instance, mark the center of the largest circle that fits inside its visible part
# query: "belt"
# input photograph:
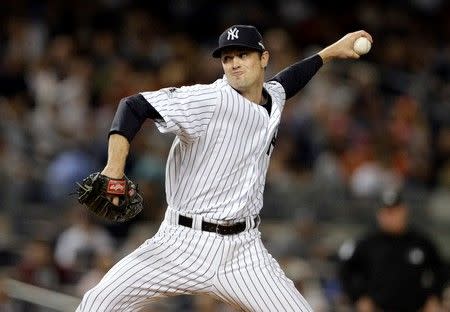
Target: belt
(221, 229)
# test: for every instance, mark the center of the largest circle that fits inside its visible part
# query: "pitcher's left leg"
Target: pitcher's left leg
(254, 281)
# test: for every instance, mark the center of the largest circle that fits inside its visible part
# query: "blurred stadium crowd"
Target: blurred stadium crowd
(356, 128)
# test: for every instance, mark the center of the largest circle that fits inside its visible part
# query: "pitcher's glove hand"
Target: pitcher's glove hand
(97, 191)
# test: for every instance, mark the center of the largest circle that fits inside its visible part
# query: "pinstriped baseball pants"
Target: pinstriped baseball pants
(179, 260)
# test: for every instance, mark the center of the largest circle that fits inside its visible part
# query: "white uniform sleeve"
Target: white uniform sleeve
(277, 92)
(186, 111)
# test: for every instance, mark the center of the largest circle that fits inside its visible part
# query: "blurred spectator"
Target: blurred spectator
(395, 268)
(81, 241)
(137, 235)
(6, 304)
(409, 140)
(102, 263)
(7, 255)
(446, 299)
(65, 170)
(37, 267)
(439, 202)
(307, 281)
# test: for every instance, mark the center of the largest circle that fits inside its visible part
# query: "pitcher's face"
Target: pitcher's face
(244, 68)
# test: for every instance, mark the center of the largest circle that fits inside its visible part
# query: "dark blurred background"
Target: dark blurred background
(356, 128)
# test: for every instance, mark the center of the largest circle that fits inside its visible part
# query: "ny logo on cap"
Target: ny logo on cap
(233, 33)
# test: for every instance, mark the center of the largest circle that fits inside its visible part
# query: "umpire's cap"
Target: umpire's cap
(391, 197)
(246, 36)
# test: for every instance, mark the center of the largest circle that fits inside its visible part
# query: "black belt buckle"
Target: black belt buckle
(223, 229)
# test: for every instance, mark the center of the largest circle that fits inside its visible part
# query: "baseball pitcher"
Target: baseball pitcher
(208, 242)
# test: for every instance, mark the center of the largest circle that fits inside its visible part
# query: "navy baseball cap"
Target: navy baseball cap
(391, 197)
(246, 36)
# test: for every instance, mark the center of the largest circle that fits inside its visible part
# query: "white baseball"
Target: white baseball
(362, 45)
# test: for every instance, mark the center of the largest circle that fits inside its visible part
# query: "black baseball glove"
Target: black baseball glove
(97, 190)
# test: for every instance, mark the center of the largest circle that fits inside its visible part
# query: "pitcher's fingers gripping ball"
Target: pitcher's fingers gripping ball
(97, 191)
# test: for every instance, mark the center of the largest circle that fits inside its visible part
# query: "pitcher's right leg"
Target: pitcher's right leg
(170, 263)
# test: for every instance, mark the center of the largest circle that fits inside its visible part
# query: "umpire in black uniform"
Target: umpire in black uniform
(394, 268)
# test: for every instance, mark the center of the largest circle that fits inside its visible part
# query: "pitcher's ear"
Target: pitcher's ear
(265, 58)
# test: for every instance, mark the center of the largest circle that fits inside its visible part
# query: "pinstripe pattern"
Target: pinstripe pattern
(178, 260)
(216, 172)
(218, 162)
(253, 280)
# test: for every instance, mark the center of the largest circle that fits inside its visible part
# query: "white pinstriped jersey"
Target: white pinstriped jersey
(216, 169)
(218, 161)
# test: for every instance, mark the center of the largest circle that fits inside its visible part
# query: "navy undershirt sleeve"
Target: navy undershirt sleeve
(296, 76)
(131, 114)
